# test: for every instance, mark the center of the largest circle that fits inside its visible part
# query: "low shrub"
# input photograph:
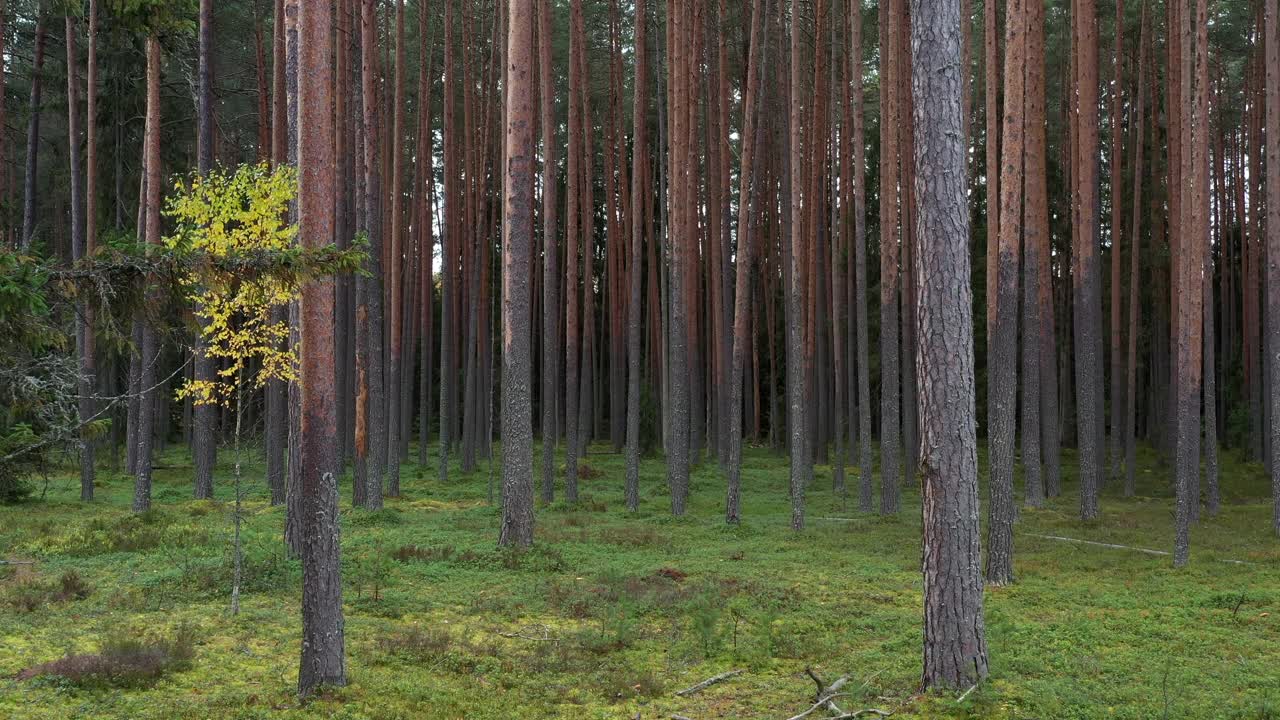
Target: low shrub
(124, 661)
(31, 594)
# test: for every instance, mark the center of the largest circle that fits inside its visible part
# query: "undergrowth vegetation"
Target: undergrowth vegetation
(609, 615)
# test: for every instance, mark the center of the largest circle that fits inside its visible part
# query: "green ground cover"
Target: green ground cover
(612, 613)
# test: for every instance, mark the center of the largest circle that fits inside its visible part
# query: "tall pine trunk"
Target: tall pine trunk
(150, 351)
(955, 650)
(84, 328)
(204, 442)
(550, 251)
(323, 648)
(640, 149)
(33, 135)
(745, 254)
(1272, 244)
(1087, 285)
(395, 271)
(517, 361)
(890, 443)
(1002, 364)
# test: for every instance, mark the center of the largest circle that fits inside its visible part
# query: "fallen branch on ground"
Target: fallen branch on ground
(708, 683)
(1114, 546)
(826, 693)
(546, 635)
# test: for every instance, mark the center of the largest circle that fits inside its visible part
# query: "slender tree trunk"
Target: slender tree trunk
(797, 425)
(91, 195)
(33, 135)
(6, 228)
(640, 149)
(1135, 252)
(1003, 363)
(204, 432)
(449, 249)
(84, 329)
(1087, 299)
(865, 492)
(293, 482)
(277, 420)
(1272, 244)
(991, 91)
(395, 272)
(426, 233)
(955, 651)
(890, 446)
(264, 94)
(151, 235)
(573, 216)
(1117, 234)
(745, 254)
(550, 250)
(371, 407)
(1035, 239)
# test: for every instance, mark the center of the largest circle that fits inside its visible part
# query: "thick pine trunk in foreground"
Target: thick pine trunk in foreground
(955, 650)
(517, 227)
(323, 654)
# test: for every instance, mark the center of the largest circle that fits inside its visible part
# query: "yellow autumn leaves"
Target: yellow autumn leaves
(223, 216)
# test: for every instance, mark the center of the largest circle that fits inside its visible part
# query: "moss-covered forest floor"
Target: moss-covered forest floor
(612, 613)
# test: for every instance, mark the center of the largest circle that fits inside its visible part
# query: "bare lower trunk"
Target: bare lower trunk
(639, 129)
(79, 250)
(204, 440)
(151, 225)
(955, 650)
(890, 447)
(517, 361)
(1135, 253)
(323, 649)
(745, 254)
(1273, 244)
